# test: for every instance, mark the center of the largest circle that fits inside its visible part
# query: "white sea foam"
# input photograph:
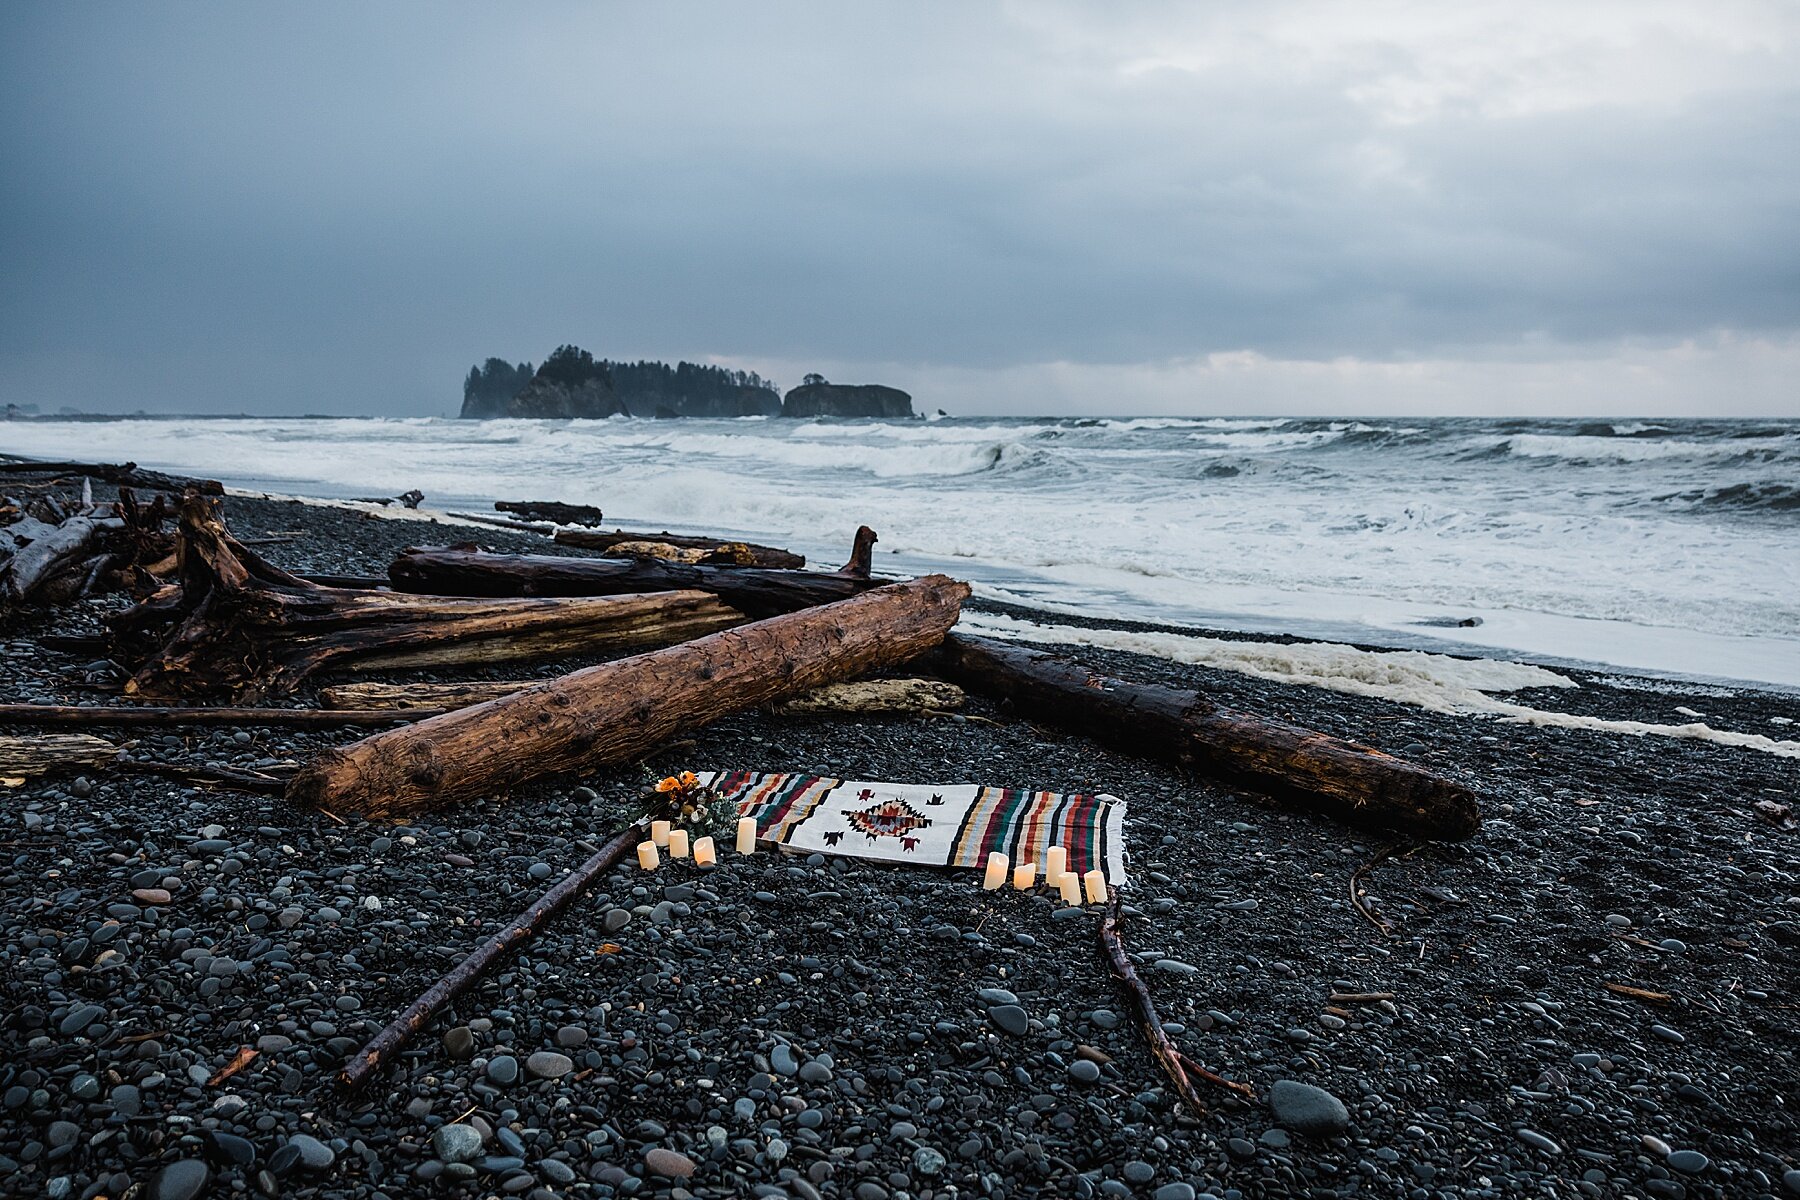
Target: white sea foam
(1633, 450)
(1435, 682)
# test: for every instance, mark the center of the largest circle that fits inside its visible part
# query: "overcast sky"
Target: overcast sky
(1478, 207)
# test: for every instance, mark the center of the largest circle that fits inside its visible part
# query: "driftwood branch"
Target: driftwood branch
(381, 1048)
(1329, 774)
(47, 752)
(757, 591)
(615, 711)
(680, 548)
(127, 474)
(1181, 1070)
(53, 715)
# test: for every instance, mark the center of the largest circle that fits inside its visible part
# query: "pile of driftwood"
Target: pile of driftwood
(708, 628)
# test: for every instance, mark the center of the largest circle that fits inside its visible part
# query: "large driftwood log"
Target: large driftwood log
(551, 510)
(382, 1047)
(43, 753)
(722, 551)
(758, 591)
(1330, 774)
(236, 626)
(617, 710)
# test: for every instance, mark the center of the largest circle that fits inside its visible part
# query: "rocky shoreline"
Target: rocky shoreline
(819, 1027)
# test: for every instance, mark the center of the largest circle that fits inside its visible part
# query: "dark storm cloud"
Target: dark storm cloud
(337, 208)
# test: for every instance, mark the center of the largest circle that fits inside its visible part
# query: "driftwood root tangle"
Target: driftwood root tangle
(382, 1047)
(757, 591)
(1334, 776)
(616, 711)
(238, 627)
(1181, 1070)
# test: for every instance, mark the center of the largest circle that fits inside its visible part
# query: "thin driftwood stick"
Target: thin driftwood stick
(1180, 1069)
(616, 711)
(415, 699)
(1329, 774)
(522, 928)
(56, 715)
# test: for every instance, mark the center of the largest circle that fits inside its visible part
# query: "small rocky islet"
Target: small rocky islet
(815, 1026)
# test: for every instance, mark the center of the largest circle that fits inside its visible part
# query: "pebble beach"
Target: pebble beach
(1595, 996)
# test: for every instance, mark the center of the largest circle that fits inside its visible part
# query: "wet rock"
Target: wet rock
(1306, 1109)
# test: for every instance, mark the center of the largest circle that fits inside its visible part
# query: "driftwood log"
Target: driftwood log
(551, 510)
(757, 591)
(381, 1048)
(47, 752)
(876, 697)
(719, 550)
(615, 711)
(1335, 776)
(54, 552)
(127, 474)
(238, 627)
(40, 715)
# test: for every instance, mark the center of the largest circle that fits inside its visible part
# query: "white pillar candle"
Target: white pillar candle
(659, 832)
(1025, 876)
(678, 843)
(647, 856)
(1056, 861)
(1096, 886)
(746, 840)
(1070, 887)
(996, 871)
(704, 854)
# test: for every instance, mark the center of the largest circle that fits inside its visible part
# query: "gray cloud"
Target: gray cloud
(337, 208)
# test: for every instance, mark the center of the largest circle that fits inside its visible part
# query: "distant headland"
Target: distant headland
(572, 383)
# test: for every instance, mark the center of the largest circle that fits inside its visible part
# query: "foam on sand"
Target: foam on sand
(1435, 682)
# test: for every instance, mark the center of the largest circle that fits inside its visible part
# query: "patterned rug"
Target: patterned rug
(952, 826)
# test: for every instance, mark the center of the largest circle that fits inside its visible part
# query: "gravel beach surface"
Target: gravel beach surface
(1597, 995)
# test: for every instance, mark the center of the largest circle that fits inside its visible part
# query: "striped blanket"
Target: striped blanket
(954, 826)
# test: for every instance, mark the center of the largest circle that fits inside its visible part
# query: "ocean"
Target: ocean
(1660, 546)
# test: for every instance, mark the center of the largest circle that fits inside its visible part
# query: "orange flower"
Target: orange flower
(669, 784)
(689, 779)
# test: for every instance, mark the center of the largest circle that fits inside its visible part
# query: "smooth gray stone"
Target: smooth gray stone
(455, 1143)
(1010, 1018)
(182, 1179)
(1304, 1108)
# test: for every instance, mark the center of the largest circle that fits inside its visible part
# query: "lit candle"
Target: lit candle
(647, 857)
(1056, 861)
(678, 843)
(704, 854)
(1024, 876)
(1070, 887)
(746, 835)
(996, 871)
(1096, 886)
(659, 832)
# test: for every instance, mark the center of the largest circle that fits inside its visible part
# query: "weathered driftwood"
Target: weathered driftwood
(1180, 1069)
(553, 511)
(411, 698)
(382, 1047)
(615, 711)
(758, 591)
(127, 474)
(1335, 776)
(722, 551)
(876, 697)
(41, 552)
(52, 715)
(238, 627)
(44, 753)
